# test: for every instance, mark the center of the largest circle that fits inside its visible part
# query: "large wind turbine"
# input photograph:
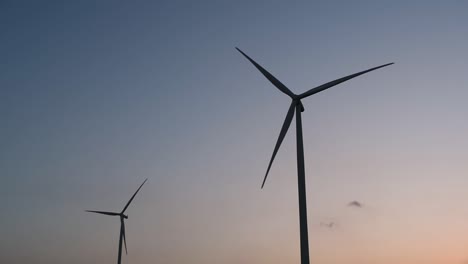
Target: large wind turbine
(122, 223)
(297, 107)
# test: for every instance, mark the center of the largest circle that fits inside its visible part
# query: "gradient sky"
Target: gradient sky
(96, 96)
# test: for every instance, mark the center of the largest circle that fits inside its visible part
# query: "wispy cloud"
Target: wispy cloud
(355, 204)
(329, 225)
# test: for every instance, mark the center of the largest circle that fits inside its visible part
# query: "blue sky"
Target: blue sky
(96, 97)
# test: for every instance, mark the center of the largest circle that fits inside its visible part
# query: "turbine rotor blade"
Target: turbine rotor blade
(269, 76)
(102, 212)
(126, 206)
(284, 130)
(122, 233)
(338, 81)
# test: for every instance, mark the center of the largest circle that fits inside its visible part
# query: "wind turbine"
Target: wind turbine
(122, 223)
(297, 107)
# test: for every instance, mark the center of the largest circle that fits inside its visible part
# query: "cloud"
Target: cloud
(328, 225)
(355, 204)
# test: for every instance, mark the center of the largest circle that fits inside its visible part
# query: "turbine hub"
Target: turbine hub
(298, 102)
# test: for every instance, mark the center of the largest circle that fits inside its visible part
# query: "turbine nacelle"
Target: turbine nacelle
(297, 101)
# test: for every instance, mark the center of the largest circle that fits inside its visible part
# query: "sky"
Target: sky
(96, 96)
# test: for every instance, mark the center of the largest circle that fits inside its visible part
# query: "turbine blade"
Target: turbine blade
(126, 206)
(122, 233)
(102, 212)
(338, 81)
(270, 77)
(284, 130)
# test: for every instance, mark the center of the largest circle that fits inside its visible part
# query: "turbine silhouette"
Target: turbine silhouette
(122, 223)
(297, 107)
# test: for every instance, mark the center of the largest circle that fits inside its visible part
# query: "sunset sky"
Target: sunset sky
(96, 96)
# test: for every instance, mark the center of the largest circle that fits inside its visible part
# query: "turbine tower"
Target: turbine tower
(122, 223)
(297, 107)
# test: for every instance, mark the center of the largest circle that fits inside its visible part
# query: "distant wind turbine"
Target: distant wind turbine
(296, 106)
(122, 223)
